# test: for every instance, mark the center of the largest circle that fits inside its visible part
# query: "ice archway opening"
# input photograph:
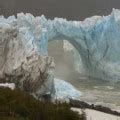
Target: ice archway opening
(68, 63)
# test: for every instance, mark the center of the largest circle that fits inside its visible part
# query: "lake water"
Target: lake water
(99, 92)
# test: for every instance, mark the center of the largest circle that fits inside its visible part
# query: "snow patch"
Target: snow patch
(8, 85)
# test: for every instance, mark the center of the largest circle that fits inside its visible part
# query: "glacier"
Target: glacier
(24, 40)
(97, 40)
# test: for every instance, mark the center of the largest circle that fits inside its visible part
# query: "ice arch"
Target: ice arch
(97, 39)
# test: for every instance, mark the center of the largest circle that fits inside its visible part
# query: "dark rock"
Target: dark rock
(84, 105)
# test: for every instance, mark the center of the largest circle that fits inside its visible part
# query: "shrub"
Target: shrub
(20, 106)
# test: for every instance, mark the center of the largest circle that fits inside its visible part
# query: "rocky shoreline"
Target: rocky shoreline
(77, 103)
(84, 105)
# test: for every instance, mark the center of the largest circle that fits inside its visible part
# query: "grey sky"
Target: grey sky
(70, 9)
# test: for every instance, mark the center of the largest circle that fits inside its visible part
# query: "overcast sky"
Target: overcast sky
(70, 9)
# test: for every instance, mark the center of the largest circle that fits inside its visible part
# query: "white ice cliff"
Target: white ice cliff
(19, 60)
(23, 47)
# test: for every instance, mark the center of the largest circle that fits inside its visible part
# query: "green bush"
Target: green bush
(17, 105)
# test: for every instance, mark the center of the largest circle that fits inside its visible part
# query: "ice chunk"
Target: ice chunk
(65, 90)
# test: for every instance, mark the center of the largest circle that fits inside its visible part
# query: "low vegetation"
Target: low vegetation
(17, 105)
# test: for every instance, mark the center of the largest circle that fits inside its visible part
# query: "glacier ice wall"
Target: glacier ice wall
(97, 39)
